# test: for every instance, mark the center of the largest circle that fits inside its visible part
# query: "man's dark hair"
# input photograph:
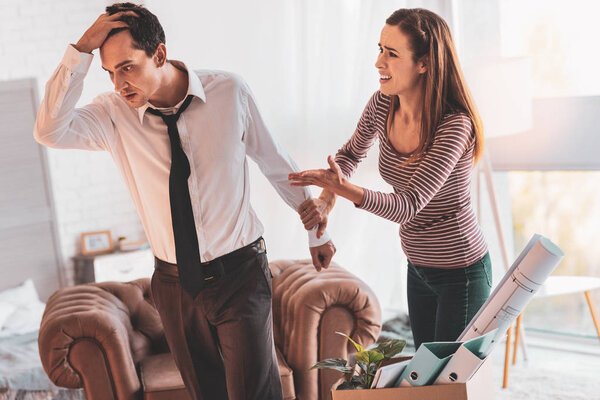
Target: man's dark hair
(146, 31)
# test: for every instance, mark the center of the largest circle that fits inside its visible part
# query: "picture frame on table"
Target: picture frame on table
(93, 243)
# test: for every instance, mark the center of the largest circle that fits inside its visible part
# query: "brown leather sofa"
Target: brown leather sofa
(108, 338)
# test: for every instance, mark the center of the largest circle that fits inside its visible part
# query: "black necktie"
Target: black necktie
(182, 216)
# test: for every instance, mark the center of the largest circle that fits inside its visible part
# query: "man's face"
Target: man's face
(135, 75)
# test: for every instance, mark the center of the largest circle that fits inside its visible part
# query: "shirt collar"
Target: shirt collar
(194, 88)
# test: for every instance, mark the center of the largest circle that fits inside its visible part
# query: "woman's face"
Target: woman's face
(399, 74)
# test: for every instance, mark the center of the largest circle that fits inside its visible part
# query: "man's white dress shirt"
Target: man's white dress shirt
(219, 128)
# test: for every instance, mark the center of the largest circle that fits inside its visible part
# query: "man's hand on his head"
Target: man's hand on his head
(322, 255)
(97, 33)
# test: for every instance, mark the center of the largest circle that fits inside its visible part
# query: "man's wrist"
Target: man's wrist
(82, 47)
(76, 61)
(313, 241)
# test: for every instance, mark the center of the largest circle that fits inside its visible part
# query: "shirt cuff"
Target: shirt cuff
(312, 238)
(76, 61)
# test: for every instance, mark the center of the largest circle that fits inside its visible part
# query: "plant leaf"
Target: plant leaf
(346, 386)
(390, 348)
(358, 381)
(369, 356)
(338, 364)
(373, 369)
(363, 367)
(356, 345)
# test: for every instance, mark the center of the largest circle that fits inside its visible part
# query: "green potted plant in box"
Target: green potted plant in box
(368, 361)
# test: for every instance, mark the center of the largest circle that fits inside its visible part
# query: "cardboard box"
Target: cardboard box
(480, 387)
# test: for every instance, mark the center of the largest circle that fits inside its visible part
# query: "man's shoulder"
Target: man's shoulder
(108, 100)
(212, 79)
(111, 101)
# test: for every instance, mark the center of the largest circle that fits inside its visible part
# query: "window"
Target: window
(564, 206)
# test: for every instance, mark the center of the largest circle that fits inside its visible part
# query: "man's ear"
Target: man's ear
(160, 55)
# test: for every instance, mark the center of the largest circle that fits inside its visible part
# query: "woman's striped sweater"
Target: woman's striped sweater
(431, 199)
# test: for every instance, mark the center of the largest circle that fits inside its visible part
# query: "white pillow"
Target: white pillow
(26, 313)
(6, 309)
(23, 320)
(20, 296)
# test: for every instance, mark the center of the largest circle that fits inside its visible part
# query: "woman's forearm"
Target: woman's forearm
(328, 197)
(349, 191)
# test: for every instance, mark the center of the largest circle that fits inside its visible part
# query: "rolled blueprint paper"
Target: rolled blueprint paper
(527, 274)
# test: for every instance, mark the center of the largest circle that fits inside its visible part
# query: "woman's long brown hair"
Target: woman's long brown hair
(445, 90)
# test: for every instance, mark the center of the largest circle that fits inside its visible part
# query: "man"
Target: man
(180, 139)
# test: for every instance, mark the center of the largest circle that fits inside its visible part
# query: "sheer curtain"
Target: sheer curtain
(311, 67)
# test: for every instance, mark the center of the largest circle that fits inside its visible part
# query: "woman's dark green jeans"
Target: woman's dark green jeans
(441, 301)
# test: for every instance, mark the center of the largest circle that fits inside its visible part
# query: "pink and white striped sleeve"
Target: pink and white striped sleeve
(452, 139)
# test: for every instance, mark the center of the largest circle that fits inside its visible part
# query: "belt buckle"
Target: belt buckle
(213, 272)
(260, 247)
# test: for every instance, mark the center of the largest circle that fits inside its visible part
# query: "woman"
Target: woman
(430, 137)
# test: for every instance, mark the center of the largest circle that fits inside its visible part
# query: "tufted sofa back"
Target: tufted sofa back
(110, 313)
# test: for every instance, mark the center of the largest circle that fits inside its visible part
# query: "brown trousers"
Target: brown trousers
(222, 340)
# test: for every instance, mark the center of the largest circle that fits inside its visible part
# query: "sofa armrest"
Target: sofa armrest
(308, 308)
(92, 335)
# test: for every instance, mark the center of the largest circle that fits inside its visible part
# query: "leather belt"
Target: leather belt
(220, 266)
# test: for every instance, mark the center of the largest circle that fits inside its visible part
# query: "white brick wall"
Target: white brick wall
(88, 192)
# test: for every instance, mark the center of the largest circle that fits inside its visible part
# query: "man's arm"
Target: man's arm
(58, 123)
(276, 164)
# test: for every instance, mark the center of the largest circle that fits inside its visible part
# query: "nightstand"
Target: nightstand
(121, 266)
